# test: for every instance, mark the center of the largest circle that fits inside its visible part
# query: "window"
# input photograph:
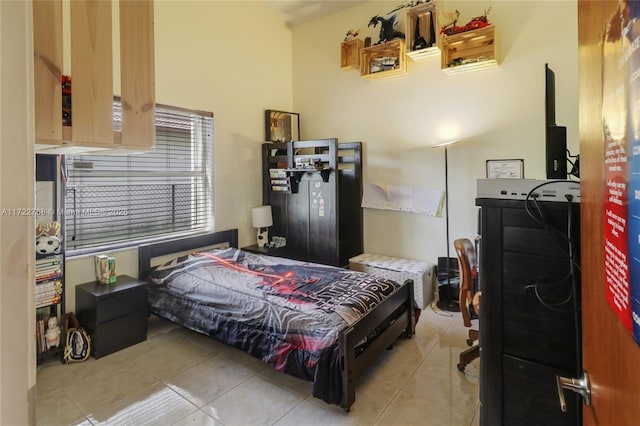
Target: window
(115, 199)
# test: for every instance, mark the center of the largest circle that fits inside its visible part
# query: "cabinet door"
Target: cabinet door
(298, 221)
(323, 225)
(531, 397)
(528, 326)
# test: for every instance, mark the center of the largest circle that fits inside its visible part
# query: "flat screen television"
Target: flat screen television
(555, 136)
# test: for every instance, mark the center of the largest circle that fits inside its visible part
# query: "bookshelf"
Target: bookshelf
(49, 263)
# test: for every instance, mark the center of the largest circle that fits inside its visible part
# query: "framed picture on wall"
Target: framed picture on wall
(281, 126)
(510, 169)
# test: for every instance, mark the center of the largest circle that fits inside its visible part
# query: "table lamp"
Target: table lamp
(262, 219)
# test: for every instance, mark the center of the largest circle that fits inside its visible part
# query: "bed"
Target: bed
(316, 322)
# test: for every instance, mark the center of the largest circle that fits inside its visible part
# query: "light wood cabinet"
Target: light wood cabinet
(383, 60)
(470, 50)
(350, 53)
(422, 16)
(91, 73)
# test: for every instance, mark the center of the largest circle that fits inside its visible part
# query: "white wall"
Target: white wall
(231, 58)
(234, 59)
(499, 113)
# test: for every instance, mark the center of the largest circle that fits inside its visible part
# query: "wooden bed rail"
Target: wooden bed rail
(353, 366)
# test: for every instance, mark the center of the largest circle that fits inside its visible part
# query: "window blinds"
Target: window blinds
(113, 199)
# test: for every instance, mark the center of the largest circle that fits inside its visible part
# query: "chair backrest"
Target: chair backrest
(468, 271)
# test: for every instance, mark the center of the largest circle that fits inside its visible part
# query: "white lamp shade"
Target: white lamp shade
(261, 217)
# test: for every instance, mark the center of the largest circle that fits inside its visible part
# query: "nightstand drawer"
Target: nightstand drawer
(118, 334)
(120, 304)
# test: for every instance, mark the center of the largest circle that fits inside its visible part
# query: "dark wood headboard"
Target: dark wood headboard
(147, 252)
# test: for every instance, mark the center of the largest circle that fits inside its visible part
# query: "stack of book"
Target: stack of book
(48, 280)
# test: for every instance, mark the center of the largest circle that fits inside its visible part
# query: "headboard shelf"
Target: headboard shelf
(318, 210)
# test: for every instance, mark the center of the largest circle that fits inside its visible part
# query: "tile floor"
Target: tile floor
(178, 377)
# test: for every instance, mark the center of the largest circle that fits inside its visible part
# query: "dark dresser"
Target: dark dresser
(529, 330)
(115, 315)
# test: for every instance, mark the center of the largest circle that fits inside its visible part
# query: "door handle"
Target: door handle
(580, 385)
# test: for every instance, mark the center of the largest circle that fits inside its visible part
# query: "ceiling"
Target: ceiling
(295, 12)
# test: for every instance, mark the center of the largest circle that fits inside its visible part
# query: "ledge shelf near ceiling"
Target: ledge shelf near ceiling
(424, 13)
(390, 54)
(474, 49)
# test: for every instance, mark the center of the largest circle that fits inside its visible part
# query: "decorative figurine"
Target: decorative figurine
(48, 239)
(418, 41)
(52, 335)
(387, 28)
(351, 35)
(473, 24)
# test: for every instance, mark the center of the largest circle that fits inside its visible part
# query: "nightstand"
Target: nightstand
(115, 315)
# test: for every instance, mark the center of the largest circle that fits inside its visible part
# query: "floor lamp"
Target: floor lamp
(447, 304)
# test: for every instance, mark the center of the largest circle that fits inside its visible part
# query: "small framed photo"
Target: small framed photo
(281, 126)
(509, 169)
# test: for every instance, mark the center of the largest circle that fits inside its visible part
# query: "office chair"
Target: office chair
(469, 298)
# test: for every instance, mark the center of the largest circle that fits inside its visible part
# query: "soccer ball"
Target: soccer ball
(48, 244)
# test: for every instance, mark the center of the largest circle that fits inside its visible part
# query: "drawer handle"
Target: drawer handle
(580, 385)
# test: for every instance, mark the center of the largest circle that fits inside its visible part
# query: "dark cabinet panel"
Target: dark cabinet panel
(527, 403)
(323, 229)
(529, 329)
(321, 217)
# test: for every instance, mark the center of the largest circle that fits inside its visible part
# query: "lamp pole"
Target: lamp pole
(446, 206)
(448, 304)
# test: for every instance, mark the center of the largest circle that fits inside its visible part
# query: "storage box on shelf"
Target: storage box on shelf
(90, 26)
(469, 51)
(350, 53)
(425, 42)
(383, 60)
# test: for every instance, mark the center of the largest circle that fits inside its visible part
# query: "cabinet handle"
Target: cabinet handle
(580, 385)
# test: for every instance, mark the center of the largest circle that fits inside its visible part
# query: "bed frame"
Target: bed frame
(352, 366)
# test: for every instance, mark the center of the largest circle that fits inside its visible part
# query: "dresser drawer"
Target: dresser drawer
(120, 304)
(119, 333)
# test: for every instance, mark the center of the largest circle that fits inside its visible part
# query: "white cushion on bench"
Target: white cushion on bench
(398, 269)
